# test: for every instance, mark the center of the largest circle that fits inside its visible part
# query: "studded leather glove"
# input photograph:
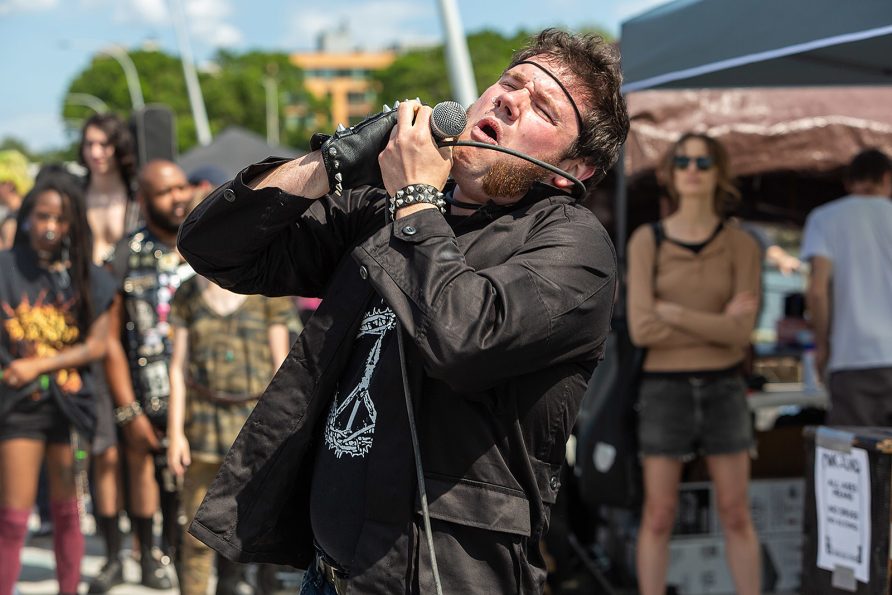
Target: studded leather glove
(351, 154)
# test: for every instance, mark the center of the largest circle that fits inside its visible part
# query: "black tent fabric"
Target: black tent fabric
(232, 150)
(765, 43)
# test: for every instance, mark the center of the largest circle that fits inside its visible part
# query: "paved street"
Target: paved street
(38, 575)
(38, 569)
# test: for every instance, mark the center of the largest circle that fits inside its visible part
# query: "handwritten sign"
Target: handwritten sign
(842, 493)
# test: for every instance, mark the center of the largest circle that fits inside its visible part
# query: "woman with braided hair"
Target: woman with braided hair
(53, 323)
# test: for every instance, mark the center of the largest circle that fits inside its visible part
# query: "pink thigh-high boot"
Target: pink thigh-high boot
(13, 529)
(68, 544)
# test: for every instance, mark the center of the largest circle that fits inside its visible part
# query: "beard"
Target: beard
(511, 177)
(166, 221)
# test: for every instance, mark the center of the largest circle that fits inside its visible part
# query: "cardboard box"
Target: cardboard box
(697, 565)
(776, 506)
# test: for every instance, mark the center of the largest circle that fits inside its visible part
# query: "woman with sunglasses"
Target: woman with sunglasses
(692, 303)
(53, 323)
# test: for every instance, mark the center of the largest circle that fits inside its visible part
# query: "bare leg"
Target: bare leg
(107, 482)
(661, 478)
(730, 474)
(143, 487)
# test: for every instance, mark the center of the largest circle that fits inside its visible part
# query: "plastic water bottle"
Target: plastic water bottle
(809, 370)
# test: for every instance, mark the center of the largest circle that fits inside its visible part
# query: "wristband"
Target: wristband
(124, 415)
(415, 194)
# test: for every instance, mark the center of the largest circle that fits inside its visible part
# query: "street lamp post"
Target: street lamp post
(121, 56)
(118, 54)
(458, 59)
(87, 100)
(196, 99)
(272, 109)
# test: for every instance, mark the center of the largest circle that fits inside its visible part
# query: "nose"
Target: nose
(513, 102)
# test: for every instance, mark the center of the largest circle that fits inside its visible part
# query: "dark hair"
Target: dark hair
(79, 237)
(595, 65)
(119, 136)
(870, 165)
(726, 194)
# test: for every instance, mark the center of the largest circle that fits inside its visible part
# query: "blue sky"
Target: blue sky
(46, 43)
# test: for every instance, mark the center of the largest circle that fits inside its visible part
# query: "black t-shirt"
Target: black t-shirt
(38, 317)
(368, 410)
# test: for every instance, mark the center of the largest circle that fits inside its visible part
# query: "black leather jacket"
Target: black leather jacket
(505, 313)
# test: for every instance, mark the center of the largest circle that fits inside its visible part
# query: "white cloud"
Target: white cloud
(208, 20)
(13, 6)
(372, 25)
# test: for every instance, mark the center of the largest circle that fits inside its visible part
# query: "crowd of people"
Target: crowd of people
(94, 349)
(502, 285)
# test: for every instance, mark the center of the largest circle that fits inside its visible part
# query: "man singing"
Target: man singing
(503, 294)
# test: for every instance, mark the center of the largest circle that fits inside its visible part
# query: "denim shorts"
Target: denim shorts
(683, 416)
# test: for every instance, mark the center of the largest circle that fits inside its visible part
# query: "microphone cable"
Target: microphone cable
(578, 187)
(416, 446)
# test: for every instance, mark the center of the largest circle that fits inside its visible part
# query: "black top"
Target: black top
(368, 409)
(696, 248)
(38, 317)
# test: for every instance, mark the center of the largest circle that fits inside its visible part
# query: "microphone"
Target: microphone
(448, 120)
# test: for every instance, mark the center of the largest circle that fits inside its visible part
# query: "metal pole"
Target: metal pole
(458, 60)
(196, 100)
(87, 100)
(121, 56)
(621, 221)
(272, 110)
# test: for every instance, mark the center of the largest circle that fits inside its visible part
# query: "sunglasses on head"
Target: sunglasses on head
(702, 163)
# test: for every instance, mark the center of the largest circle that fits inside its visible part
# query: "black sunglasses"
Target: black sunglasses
(702, 163)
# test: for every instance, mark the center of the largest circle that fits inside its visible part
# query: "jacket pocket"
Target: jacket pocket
(477, 504)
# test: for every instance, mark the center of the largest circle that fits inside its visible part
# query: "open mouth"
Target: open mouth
(486, 131)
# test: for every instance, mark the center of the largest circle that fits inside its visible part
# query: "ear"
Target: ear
(577, 168)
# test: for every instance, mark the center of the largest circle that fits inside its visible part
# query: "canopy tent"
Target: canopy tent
(757, 43)
(811, 130)
(764, 43)
(233, 150)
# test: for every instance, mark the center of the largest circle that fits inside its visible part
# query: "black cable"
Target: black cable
(416, 447)
(578, 187)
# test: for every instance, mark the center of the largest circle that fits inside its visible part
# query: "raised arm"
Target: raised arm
(266, 231)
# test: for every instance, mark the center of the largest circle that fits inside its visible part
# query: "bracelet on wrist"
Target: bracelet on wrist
(416, 194)
(126, 414)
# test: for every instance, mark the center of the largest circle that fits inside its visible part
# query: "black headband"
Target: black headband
(563, 88)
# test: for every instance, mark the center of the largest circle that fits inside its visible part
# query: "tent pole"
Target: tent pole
(620, 222)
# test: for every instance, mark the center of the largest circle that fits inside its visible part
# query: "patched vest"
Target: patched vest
(154, 272)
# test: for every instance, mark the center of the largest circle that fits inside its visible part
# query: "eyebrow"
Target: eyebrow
(579, 120)
(544, 97)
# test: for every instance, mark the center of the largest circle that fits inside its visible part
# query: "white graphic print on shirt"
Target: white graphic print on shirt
(351, 422)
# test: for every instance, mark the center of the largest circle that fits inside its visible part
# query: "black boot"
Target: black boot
(155, 574)
(112, 572)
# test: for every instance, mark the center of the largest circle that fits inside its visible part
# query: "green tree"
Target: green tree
(233, 91)
(422, 72)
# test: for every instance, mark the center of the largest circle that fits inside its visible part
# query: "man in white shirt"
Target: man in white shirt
(849, 244)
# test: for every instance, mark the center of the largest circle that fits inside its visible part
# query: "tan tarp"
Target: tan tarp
(802, 129)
